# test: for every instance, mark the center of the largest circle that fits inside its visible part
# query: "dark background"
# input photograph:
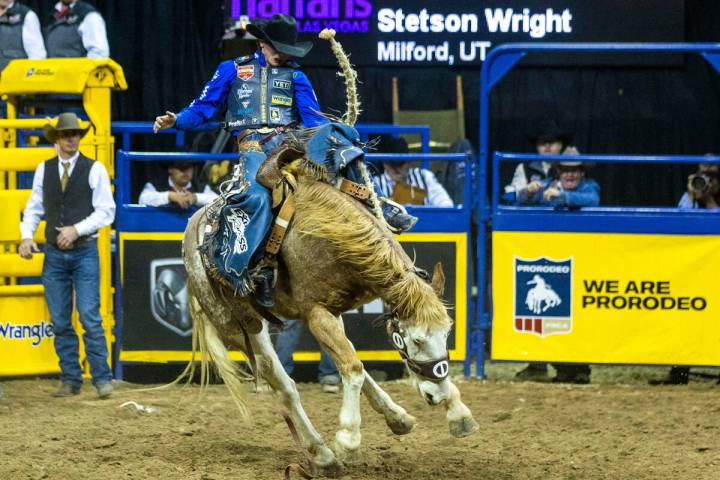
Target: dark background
(141, 331)
(168, 49)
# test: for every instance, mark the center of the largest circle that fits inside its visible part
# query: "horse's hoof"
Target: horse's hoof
(463, 427)
(346, 456)
(402, 425)
(331, 470)
(326, 462)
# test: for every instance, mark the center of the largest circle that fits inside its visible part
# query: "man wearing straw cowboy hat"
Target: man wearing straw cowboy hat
(72, 193)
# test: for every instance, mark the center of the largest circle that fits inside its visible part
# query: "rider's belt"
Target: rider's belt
(245, 145)
(277, 131)
(282, 221)
(353, 189)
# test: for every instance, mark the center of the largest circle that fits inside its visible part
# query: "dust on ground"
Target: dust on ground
(616, 428)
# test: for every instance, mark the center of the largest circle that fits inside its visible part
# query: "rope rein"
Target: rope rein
(353, 110)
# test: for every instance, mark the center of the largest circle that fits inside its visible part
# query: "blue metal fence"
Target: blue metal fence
(498, 63)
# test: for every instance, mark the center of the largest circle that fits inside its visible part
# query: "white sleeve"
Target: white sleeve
(519, 180)
(150, 196)
(437, 196)
(206, 196)
(102, 201)
(32, 37)
(34, 210)
(94, 36)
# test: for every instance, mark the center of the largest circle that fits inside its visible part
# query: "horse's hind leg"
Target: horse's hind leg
(271, 370)
(328, 330)
(399, 421)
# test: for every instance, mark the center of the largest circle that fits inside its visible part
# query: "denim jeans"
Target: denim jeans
(285, 345)
(78, 269)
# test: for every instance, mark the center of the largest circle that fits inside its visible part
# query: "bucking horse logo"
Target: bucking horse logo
(543, 296)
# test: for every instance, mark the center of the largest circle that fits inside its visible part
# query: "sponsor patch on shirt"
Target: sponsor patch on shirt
(274, 114)
(244, 91)
(245, 72)
(282, 84)
(246, 109)
(282, 100)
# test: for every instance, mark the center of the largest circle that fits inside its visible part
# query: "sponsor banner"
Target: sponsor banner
(458, 32)
(606, 298)
(157, 327)
(26, 337)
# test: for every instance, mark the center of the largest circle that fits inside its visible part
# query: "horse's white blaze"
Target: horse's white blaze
(348, 437)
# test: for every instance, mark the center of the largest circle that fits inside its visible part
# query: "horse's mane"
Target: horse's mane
(361, 241)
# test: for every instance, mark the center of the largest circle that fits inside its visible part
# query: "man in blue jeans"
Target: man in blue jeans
(285, 345)
(72, 193)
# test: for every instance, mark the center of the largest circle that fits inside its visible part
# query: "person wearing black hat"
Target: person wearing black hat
(73, 194)
(265, 95)
(548, 139)
(177, 188)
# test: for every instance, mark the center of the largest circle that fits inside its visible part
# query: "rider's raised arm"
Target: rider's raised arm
(212, 98)
(306, 101)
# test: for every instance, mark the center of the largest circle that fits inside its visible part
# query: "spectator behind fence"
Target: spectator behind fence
(73, 194)
(571, 189)
(703, 188)
(76, 29)
(177, 188)
(548, 139)
(20, 35)
(703, 191)
(405, 185)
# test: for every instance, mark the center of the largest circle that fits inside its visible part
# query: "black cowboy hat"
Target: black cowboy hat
(280, 32)
(549, 131)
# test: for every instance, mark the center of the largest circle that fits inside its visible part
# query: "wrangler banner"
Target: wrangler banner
(606, 298)
(26, 337)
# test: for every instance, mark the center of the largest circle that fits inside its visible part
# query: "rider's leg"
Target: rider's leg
(395, 215)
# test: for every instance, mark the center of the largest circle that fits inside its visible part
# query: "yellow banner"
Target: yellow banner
(606, 298)
(26, 337)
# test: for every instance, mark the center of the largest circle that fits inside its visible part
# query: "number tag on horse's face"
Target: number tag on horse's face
(426, 356)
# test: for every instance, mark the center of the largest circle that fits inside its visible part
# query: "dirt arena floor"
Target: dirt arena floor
(616, 428)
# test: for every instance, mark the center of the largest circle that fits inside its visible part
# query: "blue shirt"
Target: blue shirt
(587, 194)
(685, 202)
(214, 97)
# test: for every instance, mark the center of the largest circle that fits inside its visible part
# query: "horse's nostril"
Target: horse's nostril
(429, 398)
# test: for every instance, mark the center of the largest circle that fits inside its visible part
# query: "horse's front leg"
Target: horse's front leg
(271, 370)
(328, 330)
(399, 421)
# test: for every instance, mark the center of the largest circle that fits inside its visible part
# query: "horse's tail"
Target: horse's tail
(207, 341)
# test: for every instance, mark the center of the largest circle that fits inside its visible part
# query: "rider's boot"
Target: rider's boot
(264, 279)
(395, 214)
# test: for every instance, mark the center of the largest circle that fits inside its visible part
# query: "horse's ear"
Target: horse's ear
(438, 280)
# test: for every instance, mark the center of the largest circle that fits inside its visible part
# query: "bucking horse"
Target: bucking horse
(336, 256)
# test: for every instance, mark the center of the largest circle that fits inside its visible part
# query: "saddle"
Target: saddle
(279, 175)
